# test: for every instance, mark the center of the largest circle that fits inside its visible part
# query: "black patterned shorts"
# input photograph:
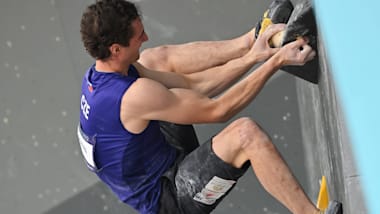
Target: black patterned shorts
(199, 180)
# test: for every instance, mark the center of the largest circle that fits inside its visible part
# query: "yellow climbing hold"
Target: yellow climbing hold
(323, 197)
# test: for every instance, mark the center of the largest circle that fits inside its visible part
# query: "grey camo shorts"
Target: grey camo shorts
(199, 180)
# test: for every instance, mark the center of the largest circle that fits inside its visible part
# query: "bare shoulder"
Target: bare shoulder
(143, 92)
(136, 101)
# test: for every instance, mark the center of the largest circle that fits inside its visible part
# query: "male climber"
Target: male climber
(135, 125)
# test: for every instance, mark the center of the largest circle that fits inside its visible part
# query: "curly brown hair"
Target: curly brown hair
(107, 22)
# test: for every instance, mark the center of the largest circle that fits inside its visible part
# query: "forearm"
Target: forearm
(214, 81)
(242, 93)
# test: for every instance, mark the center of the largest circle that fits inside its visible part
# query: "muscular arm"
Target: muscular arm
(212, 81)
(148, 99)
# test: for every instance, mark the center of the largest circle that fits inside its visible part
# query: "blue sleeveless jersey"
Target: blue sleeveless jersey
(130, 164)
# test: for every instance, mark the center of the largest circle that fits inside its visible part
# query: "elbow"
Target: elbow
(223, 119)
(221, 114)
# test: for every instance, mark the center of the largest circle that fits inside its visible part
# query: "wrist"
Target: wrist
(276, 61)
(250, 59)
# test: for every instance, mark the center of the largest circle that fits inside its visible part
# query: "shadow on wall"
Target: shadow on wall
(95, 199)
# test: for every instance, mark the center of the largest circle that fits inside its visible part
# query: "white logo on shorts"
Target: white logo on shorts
(214, 189)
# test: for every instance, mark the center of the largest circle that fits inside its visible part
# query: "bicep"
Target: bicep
(185, 107)
(150, 100)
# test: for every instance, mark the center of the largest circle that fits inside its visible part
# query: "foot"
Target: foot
(334, 207)
(279, 11)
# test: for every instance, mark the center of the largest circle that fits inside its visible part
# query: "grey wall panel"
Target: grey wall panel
(326, 141)
(41, 65)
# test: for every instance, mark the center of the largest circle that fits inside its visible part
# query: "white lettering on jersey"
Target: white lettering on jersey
(85, 107)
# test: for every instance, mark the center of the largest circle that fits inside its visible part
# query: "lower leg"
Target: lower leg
(268, 165)
(277, 179)
(196, 56)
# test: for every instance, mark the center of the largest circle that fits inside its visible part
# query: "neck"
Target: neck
(110, 67)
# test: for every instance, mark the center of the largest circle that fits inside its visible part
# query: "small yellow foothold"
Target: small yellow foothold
(323, 197)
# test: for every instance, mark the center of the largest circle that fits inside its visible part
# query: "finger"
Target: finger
(273, 29)
(306, 39)
(306, 48)
(297, 44)
(311, 56)
(308, 53)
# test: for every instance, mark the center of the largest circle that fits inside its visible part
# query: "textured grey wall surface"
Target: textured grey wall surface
(326, 141)
(42, 62)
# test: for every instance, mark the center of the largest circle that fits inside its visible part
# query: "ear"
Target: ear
(115, 49)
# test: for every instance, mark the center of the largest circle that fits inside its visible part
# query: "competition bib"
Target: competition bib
(87, 149)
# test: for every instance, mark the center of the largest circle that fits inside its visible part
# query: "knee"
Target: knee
(251, 135)
(240, 141)
(155, 58)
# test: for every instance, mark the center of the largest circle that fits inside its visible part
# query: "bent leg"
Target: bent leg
(201, 181)
(244, 140)
(196, 56)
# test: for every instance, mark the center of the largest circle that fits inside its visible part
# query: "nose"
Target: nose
(145, 37)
